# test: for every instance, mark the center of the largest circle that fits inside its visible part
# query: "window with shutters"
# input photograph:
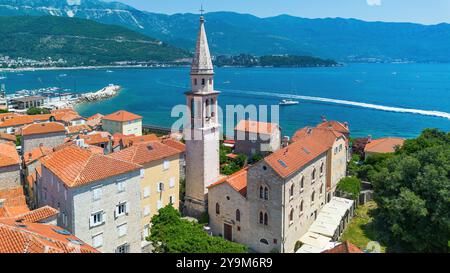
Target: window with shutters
(122, 230)
(96, 219)
(120, 186)
(125, 248)
(172, 199)
(172, 182)
(97, 240)
(147, 210)
(166, 164)
(146, 192)
(121, 209)
(96, 193)
(160, 187)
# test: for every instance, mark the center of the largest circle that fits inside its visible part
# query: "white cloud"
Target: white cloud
(374, 2)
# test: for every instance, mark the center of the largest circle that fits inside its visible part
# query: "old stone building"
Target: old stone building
(48, 134)
(9, 166)
(98, 197)
(256, 137)
(278, 198)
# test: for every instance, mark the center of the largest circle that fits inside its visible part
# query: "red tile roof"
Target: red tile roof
(175, 144)
(256, 127)
(78, 129)
(96, 116)
(37, 215)
(143, 153)
(237, 180)
(122, 116)
(384, 145)
(96, 138)
(335, 125)
(345, 247)
(324, 136)
(8, 137)
(8, 155)
(19, 237)
(77, 166)
(15, 202)
(36, 154)
(20, 120)
(43, 128)
(290, 159)
(132, 140)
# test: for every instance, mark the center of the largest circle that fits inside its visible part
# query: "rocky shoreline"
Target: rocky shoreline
(102, 94)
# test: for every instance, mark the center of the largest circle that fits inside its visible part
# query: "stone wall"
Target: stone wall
(52, 140)
(9, 177)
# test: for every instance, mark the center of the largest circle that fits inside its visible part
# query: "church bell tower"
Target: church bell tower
(202, 130)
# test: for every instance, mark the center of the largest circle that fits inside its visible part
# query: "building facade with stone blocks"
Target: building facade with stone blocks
(256, 137)
(98, 198)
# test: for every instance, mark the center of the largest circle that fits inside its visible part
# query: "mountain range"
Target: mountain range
(80, 42)
(232, 33)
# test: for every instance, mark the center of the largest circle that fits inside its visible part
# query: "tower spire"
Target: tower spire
(202, 64)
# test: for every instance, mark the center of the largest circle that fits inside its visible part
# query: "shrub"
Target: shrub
(350, 185)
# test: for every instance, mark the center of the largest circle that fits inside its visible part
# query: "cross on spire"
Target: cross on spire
(201, 10)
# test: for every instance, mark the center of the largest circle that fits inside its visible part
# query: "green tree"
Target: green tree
(172, 234)
(412, 191)
(350, 185)
(37, 111)
(2, 111)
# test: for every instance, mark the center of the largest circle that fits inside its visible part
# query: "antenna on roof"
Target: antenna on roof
(201, 10)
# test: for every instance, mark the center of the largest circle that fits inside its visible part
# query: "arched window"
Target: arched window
(302, 183)
(217, 208)
(301, 207)
(208, 109)
(321, 189)
(266, 193)
(321, 168)
(291, 191)
(261, 217)
(264, 241)
(203, 81)
(291, 216)
(195, 81)
(261, 192)
(238, 215)
(313, 175)
(210, 81)
(312, 196)
(266, 219)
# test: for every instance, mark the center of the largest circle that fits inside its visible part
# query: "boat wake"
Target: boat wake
(351, 103)
(432, 113)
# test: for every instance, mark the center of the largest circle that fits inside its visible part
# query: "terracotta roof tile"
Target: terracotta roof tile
(345, 247)
(256, 127)
(96, 116)
(8, 137)
(295, 156)
(43, 128)
(78, 129)
(175, 144)
(335, 125)
(143, 153)
(77, 166)
(324, 136)
(122, 116)
(131, 140)
(8, 155)
(95, 138)
(37, 215)
(237, 180)
(20, 120)
(38, 238)
(14, 202)
(36, 154)
(384, 145)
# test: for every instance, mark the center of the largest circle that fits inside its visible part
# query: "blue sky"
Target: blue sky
(418, 11)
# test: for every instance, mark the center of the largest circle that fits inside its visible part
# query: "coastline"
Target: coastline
(53, 68)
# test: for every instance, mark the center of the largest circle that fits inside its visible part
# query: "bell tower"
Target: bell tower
(202, 130)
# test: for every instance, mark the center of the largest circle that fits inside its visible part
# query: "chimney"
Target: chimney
(285, 141)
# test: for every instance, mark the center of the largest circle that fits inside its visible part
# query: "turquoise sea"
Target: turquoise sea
(371, 97)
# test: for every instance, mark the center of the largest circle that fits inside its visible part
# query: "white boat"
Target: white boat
(109, 71)
(288, 102)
